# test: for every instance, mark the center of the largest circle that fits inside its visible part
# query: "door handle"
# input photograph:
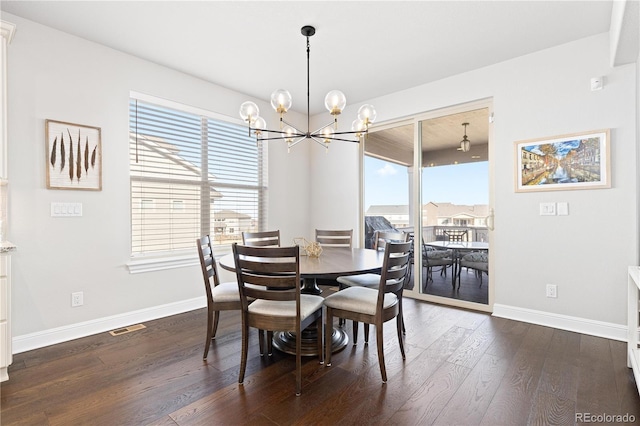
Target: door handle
(489, 220)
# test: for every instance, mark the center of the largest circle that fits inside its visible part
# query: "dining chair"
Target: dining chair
(261, 239)
(371, 280)
(456, 235)
(278, 305)
(335, 238)
(221, 296)
(374, 306)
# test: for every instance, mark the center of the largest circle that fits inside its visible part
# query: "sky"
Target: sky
(387, 183)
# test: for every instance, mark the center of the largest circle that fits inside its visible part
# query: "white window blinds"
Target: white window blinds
(191, 175)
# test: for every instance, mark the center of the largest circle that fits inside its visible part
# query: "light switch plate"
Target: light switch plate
(547, 209)
(563, 209)
(66, 209)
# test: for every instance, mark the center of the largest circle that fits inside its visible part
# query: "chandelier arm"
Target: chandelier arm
(318, 141)
(343, 140)
(294, 143)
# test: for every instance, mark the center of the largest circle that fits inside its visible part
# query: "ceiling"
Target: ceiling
(366, 49)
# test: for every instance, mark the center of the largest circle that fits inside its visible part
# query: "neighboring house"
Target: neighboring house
(434, 214)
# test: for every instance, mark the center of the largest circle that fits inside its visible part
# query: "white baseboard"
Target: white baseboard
(563, 322)
(52, 336)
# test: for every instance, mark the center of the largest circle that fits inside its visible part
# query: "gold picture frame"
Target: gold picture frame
(566, 162)
(74, 156)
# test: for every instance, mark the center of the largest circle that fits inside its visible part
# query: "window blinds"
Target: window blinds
(191, 175)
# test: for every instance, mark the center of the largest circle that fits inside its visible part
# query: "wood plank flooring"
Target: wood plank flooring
(462, 368)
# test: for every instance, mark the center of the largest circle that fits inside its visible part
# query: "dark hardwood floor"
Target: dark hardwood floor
(462, 368)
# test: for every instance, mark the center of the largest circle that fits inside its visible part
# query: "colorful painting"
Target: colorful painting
(74, 156)
(575, 161)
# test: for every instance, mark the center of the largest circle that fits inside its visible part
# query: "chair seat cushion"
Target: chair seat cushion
(226, 292)
(439, 254)
(359, 299)
(480, 266)
(287, 308)
(476, 257)
(361, 280)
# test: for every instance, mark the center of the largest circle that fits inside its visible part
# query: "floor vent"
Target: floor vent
(126, 330)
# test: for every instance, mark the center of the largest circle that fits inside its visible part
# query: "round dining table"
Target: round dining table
(332, 263)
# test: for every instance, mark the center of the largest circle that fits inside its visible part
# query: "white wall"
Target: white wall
(53, 75)
(543, 94)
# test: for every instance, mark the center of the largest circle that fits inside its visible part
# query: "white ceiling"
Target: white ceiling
(366, 49)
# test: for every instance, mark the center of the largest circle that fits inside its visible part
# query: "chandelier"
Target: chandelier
(281, 101)
(465, 144)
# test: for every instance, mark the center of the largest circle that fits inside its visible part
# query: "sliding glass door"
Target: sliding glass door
(439, 194)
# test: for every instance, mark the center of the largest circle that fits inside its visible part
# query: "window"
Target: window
(192, 174)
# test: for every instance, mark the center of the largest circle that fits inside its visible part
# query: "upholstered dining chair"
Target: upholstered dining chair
(220, 296)
(278, 305)
(374, 306)
(380, 240)
(261, 239)
(335, 238)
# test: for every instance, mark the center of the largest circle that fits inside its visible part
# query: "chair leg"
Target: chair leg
(341, 321)
(379, 343)
(320, 334)
(245, 348)
(399, 325)
(298, 363)
(261, 341)
(328, 330)
(207, 342)
(366, 333)
(216, 318)
(270, 343)
(355, 332)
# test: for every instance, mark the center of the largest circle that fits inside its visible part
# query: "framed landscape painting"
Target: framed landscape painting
(74, 156)
(574, 161)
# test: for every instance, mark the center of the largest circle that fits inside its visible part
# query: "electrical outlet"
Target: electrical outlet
(77, 299)
(552, 290)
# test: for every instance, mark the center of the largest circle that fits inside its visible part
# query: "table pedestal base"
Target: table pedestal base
(285, 341)
(309, 286)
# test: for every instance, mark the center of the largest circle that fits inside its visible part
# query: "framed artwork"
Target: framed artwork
(74, 156)
(574, 161)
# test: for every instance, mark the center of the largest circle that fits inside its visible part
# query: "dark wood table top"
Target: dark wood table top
(332, 263)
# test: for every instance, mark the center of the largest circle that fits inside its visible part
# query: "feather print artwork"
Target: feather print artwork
(75, 164)
(53, 152)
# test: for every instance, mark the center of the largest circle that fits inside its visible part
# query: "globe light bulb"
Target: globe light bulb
(327, 134)
(335, 101)
(281, 100)
(367, 114)
(249, 111)
(259, 125)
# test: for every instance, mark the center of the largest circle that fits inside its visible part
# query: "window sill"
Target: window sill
(186, 258)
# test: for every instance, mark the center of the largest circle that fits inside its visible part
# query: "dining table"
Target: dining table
(332, 263)
(458, 247)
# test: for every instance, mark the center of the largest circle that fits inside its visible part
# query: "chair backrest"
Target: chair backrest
(261, 239)
(332, 238)
(207, 264)
(395, 270)
(276, 270)
(456, 235)
(381, 238)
